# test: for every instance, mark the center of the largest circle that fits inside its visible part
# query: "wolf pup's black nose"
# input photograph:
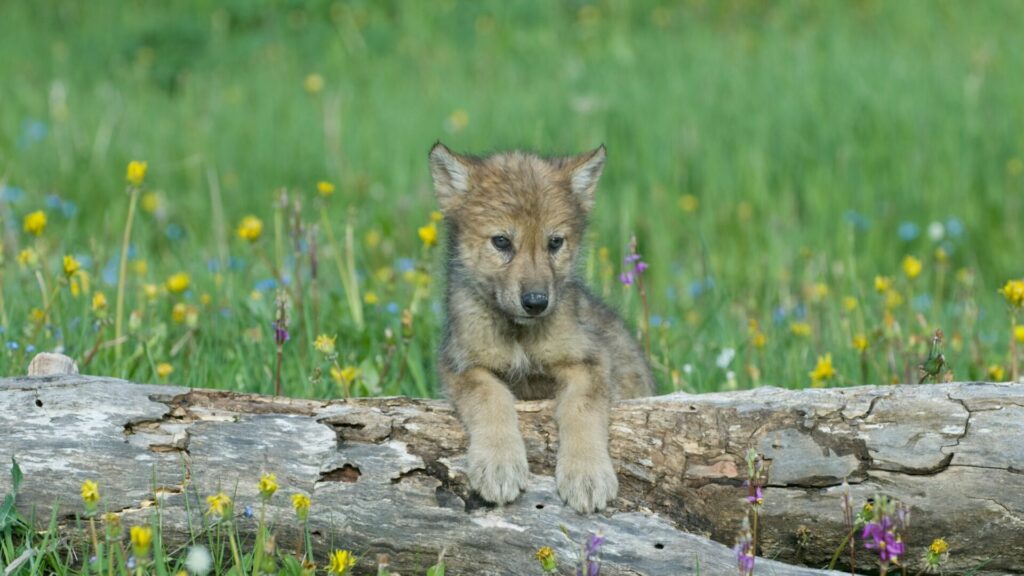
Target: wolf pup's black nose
(535, 302)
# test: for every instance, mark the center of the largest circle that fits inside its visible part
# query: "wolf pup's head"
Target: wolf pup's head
(516, 222)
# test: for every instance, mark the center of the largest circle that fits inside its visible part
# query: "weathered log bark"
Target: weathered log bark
(386, 474)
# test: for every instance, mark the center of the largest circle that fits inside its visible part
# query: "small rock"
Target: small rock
(51, 364)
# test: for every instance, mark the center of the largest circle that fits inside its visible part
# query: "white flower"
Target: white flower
(198, 560)
(725, 357)
(687, 368)
(936, 231)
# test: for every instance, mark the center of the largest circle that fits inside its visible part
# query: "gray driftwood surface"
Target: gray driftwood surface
(386, 474)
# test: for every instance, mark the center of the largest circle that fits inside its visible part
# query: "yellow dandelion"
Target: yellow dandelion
(546, 557)
(151, 291)
(324, 344)
(912, 267)
(71, 266)
(1018, 334)
(142, 538)
(36, 315)
(250, 228)
(341, 561)
(268, 485)
(938, 547)
(1013, 291)
(99, 302)
(136, 172)
(219, 504)
(35, 222)
(370, 298)
(850, 303)
(164, 369)
(996, 373)
(314, 83)
(428, 234)
(802, 329)
(178, 312)
(823, 371)
(178, 283)
(689, 203)
(90, 493)
(345, 375)
(28, 258)
(301, 503)
(151, 202)
(860, 343)
(882, 284)
(324, 188)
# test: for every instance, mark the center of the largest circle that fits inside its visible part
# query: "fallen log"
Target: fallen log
(386, 475)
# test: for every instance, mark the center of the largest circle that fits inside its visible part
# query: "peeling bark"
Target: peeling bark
(387, 474)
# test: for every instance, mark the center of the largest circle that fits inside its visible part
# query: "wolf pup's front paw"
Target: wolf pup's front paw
(586, 485)
(498, 470)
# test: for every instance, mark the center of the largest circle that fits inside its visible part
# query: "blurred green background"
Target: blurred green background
(772, 158)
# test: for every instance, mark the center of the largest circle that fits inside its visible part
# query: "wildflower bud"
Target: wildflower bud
(90, 495)
(267, 486)
(546, 557)
(142, 538)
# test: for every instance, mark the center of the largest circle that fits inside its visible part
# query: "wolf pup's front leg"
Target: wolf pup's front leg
(497, 455)
(584, 472)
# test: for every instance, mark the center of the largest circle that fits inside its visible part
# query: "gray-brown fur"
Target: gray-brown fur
(522, 324)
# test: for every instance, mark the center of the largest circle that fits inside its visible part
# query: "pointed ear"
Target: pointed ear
(584, 172)
(451, 175)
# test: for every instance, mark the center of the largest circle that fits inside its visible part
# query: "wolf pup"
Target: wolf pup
(522, 324)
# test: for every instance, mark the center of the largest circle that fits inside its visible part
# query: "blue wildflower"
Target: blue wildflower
(266, 284)
(11, 193)
(908, 231)
(954, 227)
(12, 345)
(174, 232)
(392, 308)
(405, 264)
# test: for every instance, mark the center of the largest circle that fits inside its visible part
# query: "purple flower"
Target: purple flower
(280, 333)
(631, 258)
(744, 549)
(591, 561)
(626, 278)
(757, 497)
(881, 536)
(641, 266)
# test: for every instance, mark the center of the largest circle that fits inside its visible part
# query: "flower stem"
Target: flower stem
(122, 272)
(840, 548)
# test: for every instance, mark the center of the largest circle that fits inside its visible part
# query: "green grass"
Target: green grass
(808, 132)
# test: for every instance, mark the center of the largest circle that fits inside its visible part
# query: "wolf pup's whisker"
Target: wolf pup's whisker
(521, 323)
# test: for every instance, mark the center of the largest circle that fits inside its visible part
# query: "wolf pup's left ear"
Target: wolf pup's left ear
(451, 175)
(584, 172)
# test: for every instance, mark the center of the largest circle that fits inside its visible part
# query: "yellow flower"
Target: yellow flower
(99, 302)
(268, 485)
(324, 188)
(341, 561)
(689, 203)
(71, 266)
(893, 299)
(301, 503)
(151, 291)
(428, 234)
(219, 504)
(823, 371)
(819, 291)
(324, 344)
(163, 370)
(546, 557)
(860, 343)
(314, 83)
(136, 172)
(28, 257)
(996, 373)
(140, 267)
(938, 547)
(151, 202)
(436, 216)
(178, 283)
(757, 338)
(372, 239)
(802, 329)
(205, 299)
(344, 375)
(1018, 334)
(912, 267)
(178, 312)
(35, 222)
(457, 120)
(370, 298)
(882, 284)
(90, 493)
(142, 538)
(850, 303)
(36, 315)
(1014, 293)
(80, 283)
(250, 229)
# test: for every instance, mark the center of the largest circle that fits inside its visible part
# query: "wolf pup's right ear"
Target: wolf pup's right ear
(451, 175)
(584, 172)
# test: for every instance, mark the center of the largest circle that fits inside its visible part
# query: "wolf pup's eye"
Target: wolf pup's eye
(501, 242)
(555, 242)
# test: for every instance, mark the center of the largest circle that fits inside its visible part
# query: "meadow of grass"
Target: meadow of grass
(778, 164)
